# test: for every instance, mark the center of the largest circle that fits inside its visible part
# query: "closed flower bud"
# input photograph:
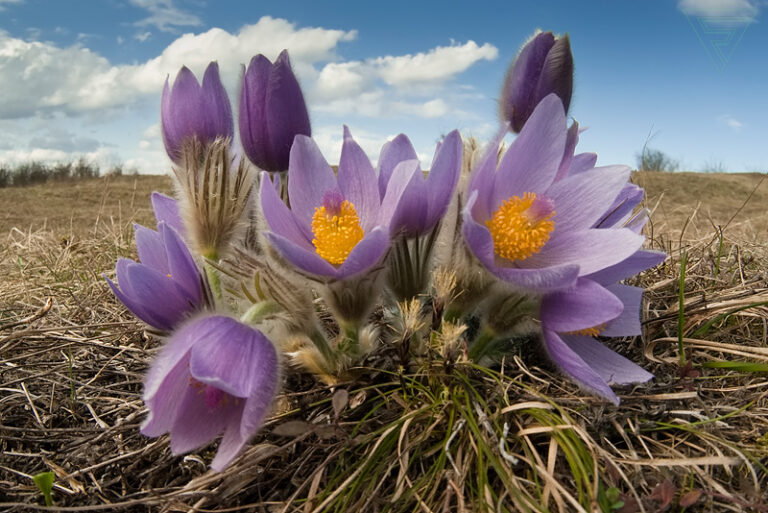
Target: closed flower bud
(543, 66)
(272, 112)
(191, 111)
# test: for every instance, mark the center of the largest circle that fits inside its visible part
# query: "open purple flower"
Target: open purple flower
(537, 233)
(543, 66)
(423, 200)
(191, 111)
(336, 228)
(214, 375)
(166, 285)
(272, 112)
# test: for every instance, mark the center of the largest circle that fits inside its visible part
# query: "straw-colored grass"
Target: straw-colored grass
(403, 436)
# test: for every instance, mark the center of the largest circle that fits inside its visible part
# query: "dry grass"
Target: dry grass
(419, 437)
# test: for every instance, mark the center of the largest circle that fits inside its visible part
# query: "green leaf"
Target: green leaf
(737, 366)
(44, 482)
(705, 329)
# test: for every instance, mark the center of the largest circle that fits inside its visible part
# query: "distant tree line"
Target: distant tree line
(655, 160)
(29, 173)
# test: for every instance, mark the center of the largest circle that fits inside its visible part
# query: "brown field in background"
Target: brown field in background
(72, 361)
(700, 202)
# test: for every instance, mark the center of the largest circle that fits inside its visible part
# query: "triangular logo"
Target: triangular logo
(720, 35)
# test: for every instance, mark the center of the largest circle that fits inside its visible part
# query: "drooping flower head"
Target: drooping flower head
(272, 112)
(191, 111)
(165, 285)
(543, 66)
(533, 231)
(214, 375)
(336, 228)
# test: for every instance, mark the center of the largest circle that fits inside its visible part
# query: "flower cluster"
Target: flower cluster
(530, 244)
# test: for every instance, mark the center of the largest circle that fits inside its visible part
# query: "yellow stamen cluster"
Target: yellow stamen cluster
(589, 332)
(336, 233)
(515, 235)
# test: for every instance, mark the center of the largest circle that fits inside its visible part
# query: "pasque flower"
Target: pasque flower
(533, 231)
(272, 112)
(165, 285)
(213, 375)
(544, 65)
(336, 228)
(190, 110)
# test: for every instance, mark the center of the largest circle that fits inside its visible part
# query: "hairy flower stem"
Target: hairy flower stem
(409, 271)
(259, 311)
(214, 281)
(321, 343)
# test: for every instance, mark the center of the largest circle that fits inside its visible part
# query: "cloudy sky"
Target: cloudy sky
(84, 77)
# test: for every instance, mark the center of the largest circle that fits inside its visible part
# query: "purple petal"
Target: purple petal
(158, 294)
(532, 160)
(149, 245)
(136, 307)
(443, 177)
(357, 181)
(621, 209)
(197, 423)
(233, 358)
(186, 108)
(628, 323)
(309, 179)
(165, 385)
(218, 108)
(519, 86)
(571, 363)
(571, 140)
(254, 135)
(392, 153)
(609, 365)
(305, 259)
(557, 73)
(586, 305)
(279, 217)
(582, 162)
(230, 446)
(638, 261)
(637, 222)
(166, 211)
(483, 177)
(406, 192)
(582, 199)
(592, 250)
(181, 265)
(366, 254)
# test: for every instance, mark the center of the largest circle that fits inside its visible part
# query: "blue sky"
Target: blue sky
(84, 77)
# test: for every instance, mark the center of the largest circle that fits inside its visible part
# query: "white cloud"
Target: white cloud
(165, 16)
(3, 3)
(142, 36)
(437, 65)
(104, 157)
(730, 122)
(746, 9)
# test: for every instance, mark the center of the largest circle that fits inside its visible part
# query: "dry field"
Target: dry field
(694, 439)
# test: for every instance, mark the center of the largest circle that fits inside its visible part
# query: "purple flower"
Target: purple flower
(191, 111)
(571, 319)
(214, 375)
(423, 200)
(336, 228)
(272, 112)
(165, 286)
(543, 66)
(535, 232)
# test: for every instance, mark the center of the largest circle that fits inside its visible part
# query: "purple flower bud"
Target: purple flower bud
(191, 111)
(543, 66)
(272, 112)
(214, 375)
